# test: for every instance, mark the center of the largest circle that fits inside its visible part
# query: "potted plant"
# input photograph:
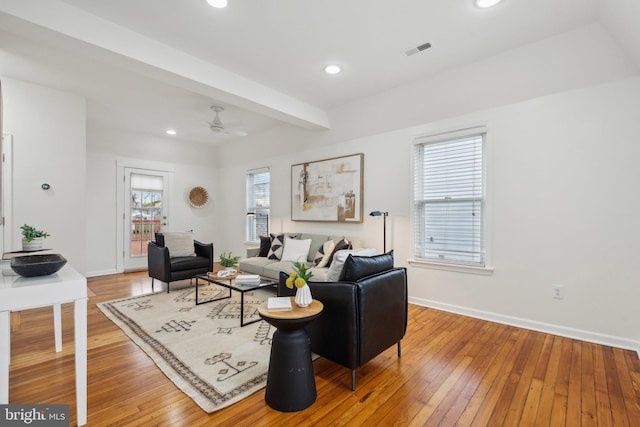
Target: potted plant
(32, 238)
(228, 261)
(300, 279)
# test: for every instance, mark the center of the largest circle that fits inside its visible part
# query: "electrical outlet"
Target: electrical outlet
(557, 291)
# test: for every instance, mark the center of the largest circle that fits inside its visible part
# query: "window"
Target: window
(449, 198)
(258, 201)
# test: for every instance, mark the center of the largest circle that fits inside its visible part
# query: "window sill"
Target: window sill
(460, 268)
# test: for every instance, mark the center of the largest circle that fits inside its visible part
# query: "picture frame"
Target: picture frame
(329, 190)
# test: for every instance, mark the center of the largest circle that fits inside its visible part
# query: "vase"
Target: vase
(303, 296)
(33, 245)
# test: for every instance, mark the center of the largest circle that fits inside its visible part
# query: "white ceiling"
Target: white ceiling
(281, 46)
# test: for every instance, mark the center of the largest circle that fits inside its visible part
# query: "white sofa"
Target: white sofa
(271, 268)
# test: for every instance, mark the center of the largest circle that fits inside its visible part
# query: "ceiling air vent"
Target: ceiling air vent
(417, 49)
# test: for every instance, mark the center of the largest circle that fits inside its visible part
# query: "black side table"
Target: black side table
(291, 385)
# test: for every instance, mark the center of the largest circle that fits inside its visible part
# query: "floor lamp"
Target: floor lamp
(384, 216)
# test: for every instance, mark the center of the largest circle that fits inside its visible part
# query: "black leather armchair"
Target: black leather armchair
(364, 314)
(164, 267)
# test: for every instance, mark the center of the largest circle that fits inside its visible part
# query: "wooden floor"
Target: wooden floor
(454, 370)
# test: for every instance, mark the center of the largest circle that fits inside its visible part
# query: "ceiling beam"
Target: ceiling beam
(61, 24)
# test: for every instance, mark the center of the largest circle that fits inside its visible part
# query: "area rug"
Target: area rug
(202, 348)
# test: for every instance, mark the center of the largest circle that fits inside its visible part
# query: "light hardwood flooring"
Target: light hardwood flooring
(454, 370)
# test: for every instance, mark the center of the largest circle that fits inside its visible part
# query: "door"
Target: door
(145, 213)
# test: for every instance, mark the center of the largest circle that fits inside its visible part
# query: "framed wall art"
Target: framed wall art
(328, 190)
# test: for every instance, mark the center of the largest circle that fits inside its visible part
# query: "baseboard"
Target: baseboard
(533, 325)
(101, 273)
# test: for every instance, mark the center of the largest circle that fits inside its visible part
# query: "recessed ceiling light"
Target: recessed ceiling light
(483, 4)
(332, 69)
(171, 132)
(217, 3)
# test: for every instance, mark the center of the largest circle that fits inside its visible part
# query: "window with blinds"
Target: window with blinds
(449, 198)
(258, 201)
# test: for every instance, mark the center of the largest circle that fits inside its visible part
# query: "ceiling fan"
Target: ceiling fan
(217, 126)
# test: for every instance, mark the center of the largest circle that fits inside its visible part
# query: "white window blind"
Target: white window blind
(258, 201)
(449, 198)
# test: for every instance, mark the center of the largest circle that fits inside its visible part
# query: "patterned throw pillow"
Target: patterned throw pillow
(321, 258)
(277, 246)
(342, 244)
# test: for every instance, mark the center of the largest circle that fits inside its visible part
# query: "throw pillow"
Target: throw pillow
(265, 245)
(296, 250)
(277, 246)
(341, 245)
(335, 270)
(357, 267)
(179, 243)
(321, 258)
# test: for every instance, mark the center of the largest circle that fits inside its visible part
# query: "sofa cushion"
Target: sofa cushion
(254, 265)
(341, 245)
(357, 267)
(265, 245)
(317, 240)
(273, 269)
(319, 274)
(179, 243)
(321, 258)
(295, 250)
(335, 269)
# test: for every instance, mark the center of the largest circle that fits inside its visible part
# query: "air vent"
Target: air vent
(417, 49)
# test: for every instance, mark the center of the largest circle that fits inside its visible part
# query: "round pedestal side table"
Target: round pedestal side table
(291, 385)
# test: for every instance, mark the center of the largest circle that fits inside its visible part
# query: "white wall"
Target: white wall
(562, 155)
(52, 144)
(192, 165)
(48, 128)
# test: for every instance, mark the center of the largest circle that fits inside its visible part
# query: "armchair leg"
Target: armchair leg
(168, 287)
(152, 283)
(399, 350)
(353, 380)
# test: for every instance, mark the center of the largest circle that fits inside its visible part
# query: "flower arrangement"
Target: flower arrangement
(228, 260)
(299, 277)
(30, 233)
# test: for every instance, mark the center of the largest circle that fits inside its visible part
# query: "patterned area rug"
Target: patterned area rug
(202, 349)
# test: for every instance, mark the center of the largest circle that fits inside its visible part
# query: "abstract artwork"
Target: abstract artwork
(328, 190)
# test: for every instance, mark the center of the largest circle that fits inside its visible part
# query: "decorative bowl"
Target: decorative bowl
(37, 265)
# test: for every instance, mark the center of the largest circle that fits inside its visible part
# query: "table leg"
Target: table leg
(210, 300)
(5, 356)
(80, 337)
(57, 326)
(242, 322)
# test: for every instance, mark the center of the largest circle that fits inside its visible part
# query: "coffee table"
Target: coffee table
(230, 283)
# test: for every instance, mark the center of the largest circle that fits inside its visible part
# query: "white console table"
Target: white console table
(22, 293)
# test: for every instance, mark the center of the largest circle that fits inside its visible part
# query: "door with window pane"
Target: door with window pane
(145, 213)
